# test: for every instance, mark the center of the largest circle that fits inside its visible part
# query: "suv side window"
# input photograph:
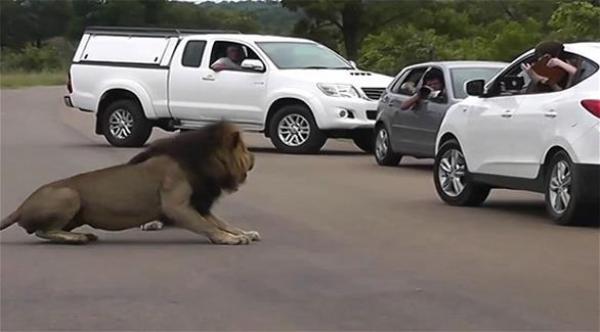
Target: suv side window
(585, 68)
(192, 54)
(408, 86)
(219, 50)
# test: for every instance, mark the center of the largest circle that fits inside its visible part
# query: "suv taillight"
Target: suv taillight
(592, 105)
(69, 85)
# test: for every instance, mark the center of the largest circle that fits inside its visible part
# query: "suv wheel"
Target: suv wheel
(451, 178)
(124, 124)
(383, 148)
(364, 140)
(294, 130)
(565, 201)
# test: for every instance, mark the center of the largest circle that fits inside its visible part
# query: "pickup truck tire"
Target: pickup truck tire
(124, 125)
(364, 140)
(293, 130)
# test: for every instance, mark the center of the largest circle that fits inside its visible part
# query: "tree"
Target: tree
(577, 21)
(26, 21)
(354, 19)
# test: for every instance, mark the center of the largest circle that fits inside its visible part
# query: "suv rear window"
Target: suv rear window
(192, 54)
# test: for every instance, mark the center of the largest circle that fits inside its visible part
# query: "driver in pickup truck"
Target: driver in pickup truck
(233, 60)
(432, 88)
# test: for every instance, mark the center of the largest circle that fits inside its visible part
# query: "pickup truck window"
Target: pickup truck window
(298, 55)
(192, 54)
(221, 56)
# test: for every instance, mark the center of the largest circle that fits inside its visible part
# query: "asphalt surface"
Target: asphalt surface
(347, 245)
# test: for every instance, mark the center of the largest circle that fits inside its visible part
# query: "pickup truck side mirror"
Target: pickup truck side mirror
(253, 64)
(353, 64)
(474, 87)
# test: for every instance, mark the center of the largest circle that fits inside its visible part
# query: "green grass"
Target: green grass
(12, 80)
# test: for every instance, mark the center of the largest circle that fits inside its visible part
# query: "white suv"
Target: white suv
(296, 91)
(505, 137)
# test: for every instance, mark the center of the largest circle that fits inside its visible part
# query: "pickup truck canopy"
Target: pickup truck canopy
(132, 45)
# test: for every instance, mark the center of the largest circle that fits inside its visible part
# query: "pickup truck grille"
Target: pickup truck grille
(373, 93)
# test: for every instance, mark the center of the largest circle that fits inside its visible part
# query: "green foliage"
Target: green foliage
(383, 35)
(396, 47)
(32, 58)
(270, 15)
(21, 79)
(577, 21)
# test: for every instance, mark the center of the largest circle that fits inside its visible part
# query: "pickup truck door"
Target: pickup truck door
(205, 95)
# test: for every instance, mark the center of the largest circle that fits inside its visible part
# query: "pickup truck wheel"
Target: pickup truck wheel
(294, 130)
(451, 178)
(364, 140)
(124, 124)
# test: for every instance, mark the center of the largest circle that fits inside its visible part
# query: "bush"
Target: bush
(32, 59)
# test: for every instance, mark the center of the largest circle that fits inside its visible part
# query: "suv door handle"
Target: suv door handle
(209, 77)
(550, 114)
(507, 114)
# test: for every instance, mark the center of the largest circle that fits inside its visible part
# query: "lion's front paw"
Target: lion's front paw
(226, 238)
(253, 235)
(152, 226)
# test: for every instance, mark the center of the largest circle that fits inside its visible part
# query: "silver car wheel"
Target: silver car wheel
(452, 171)
(293, 130)
(381, 144)
(120, 123)
(559, 188)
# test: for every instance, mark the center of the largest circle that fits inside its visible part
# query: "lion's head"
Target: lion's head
(233, 157)
(216, 153)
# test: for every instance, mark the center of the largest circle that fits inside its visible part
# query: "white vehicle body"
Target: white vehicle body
(509, 139)
(148, 64)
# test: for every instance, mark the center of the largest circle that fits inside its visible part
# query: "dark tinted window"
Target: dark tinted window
(192, 54)
(585, 69)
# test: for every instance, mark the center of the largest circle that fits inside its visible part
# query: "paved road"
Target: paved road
(347, 246)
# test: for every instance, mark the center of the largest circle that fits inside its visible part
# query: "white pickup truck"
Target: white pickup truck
(295, 91)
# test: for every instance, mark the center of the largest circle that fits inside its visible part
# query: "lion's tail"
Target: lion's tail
(11, 219)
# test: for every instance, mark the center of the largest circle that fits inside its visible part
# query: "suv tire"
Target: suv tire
(452, 180)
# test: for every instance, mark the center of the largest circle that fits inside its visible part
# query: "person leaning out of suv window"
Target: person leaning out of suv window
(432, 88)
(233, 60)
(557, 59)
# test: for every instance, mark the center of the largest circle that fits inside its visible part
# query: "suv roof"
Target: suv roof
(458, 64)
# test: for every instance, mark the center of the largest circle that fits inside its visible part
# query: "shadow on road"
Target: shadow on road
(530, 209)
(268, 150)
(104, 241)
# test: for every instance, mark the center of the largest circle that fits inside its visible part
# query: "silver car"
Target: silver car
(412, 131)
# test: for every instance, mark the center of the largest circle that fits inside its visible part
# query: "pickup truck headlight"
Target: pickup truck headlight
(338, 90)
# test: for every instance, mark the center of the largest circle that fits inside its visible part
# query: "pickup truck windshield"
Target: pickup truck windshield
(295, 55)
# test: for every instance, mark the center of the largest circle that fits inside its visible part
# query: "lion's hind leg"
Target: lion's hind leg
(50, 210)
(65, 237)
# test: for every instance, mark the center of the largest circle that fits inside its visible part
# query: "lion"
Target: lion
(175, 180)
